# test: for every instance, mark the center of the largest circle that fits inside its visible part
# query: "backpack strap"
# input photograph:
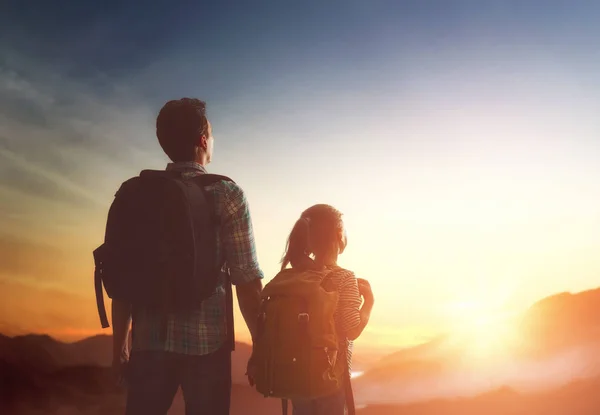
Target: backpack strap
(209, 178)
(326, 280)
(98, 287)
(99, 256)
(348, 393)
(284, 406)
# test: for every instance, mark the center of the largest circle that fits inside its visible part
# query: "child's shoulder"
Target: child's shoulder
(342, 274)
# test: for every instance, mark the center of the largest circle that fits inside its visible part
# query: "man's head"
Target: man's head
(184, 132)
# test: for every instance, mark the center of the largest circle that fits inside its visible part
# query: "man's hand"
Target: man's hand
(251, 370)
(249, 300)
(119, 367)
(121, 319)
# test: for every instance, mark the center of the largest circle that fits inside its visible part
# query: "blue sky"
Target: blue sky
(460, 138)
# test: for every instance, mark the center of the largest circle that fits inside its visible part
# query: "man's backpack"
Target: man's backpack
(297, 352)
(160, 245)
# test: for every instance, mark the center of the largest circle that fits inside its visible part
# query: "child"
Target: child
(314, 243)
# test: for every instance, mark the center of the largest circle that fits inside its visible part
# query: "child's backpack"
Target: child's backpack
(297, 352)
(160, 244)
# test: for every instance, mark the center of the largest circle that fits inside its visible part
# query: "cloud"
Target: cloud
(27, 308)
(24, 258)
(30, 168)
(66, 145)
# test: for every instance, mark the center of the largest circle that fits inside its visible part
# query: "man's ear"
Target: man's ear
(203, 142)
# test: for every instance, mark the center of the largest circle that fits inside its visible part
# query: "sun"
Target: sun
(485, 333)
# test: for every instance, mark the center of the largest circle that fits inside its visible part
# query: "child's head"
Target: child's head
(319, 232)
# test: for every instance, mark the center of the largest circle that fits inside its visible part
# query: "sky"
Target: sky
(459, 138)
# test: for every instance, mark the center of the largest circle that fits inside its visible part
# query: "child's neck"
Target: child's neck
(327, 261)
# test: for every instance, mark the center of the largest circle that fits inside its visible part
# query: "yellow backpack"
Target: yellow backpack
(296, 353)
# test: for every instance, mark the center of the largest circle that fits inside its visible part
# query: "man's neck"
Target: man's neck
(202, 160)
(186, 165)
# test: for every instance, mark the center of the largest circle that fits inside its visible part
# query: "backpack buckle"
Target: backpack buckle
(303, 318)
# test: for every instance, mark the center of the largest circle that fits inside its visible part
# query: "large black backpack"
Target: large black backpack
(159, 248)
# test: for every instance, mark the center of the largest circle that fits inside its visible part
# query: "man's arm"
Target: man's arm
(121, 320)
(240, 255)
(249, 300)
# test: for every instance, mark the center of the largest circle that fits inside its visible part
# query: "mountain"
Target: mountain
(576, 398)
(553, 369)
(46, 354)
(91, 390)
(563, 320)
(39, 374)
(43, 353)
(23, 389)
(556, 340)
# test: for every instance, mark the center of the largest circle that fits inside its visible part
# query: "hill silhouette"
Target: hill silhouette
(576, 398)
(563, 320)
(39, 374)
(43, 353)
(558, 339)
(554, 370)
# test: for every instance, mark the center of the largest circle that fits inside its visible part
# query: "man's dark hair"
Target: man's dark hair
(179, 124)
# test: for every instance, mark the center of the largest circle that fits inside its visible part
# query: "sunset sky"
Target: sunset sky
(461, 139)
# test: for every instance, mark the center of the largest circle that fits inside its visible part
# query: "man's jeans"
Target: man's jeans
(154, 377)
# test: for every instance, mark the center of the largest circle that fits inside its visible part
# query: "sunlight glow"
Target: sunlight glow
(486, 335)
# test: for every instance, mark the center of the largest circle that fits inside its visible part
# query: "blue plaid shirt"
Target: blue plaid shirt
(204, 331)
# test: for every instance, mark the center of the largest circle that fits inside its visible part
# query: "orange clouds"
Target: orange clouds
(27, 308)
(25, 258)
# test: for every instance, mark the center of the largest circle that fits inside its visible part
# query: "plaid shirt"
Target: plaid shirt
(204, 331)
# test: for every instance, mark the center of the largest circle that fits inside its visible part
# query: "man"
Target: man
(191, 349)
